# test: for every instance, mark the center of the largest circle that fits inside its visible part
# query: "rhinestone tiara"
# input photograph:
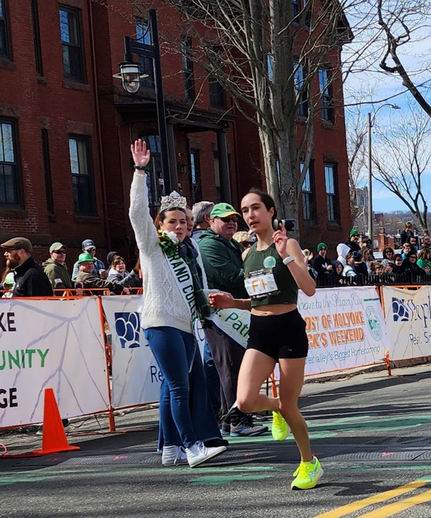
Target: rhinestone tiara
(173, 201)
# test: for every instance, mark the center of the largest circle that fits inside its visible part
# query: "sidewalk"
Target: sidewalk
(144, 420)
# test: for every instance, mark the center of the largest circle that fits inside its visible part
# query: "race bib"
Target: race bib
(260, 284)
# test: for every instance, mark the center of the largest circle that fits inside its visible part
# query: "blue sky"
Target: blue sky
(371, 84)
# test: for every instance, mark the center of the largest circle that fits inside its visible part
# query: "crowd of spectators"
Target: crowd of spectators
(356, 262)
(23, 277)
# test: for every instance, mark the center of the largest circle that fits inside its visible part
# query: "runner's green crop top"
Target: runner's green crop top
(288, 289)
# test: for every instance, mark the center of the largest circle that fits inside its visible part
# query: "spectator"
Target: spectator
(406, 249)
(412, 271)
(189, 219)
(407, 232)
(221, 256)
(368, 257)
(321, 264)
(110, 258)
(353, 242)
(336, 276)
(342, 251)
(119, 275)
(7, 284)
(87, 279)
(360, 267)
(243, 238)
(56, 269)
(388, 256)
(424, 260)
(349, 271)
(30, 279)
(201, 216)
(426, 242)
(398, 268)
(98, 268)
(413, 240)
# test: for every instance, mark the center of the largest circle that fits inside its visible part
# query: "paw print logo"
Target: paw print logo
(127, 326)
(400, 311)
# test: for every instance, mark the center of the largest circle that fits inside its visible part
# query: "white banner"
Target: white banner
(136, 377)
(50, 344)
(408, 321)
(345, 328)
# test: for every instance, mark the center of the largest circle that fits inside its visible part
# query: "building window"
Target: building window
(71, 41)
(308, 200)
(9, 194)
(331, 192)
(326, 96)
(36, 37)
(189, 79)
(143, 35)
(4, 31)
(82, 180)
(301, 90)
(47, 172)
(217, 95)
(195, 175)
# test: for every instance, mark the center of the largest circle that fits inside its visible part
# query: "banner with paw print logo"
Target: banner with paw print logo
(136, 377)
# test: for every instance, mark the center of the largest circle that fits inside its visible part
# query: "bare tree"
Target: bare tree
(267, 54)
(406, 23)
(402, 162)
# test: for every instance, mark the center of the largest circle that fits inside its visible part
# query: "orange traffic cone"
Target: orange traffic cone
(54, 438)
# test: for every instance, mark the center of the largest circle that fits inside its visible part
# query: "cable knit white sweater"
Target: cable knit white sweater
(164, 304)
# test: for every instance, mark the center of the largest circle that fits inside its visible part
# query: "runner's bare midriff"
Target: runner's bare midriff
(273, 309)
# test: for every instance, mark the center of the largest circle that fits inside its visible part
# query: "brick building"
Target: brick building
(66, 127)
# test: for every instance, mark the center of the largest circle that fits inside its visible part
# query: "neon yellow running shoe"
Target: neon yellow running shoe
(308, 475)
(279, 429)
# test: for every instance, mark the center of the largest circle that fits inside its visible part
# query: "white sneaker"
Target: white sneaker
(198, 453)
(173, 456)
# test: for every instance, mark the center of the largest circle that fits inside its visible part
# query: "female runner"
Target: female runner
(274, 270)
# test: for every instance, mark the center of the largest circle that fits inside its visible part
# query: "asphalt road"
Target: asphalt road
(371, 433)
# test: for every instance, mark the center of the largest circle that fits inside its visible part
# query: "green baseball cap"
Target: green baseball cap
(322, 246)
(354, 232)
(223, 210)
(85, 257)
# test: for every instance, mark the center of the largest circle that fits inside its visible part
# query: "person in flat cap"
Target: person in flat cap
(88, 245)
(30, 279)
(55, 267)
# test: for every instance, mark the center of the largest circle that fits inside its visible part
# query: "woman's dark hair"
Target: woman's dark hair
(397, 256)
(118, 260)
(386, 250)
(265, 198)
(161, 216)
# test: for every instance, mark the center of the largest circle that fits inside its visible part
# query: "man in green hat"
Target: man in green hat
(87, 279)
(221, 256)
(353, 242)
(322, 265)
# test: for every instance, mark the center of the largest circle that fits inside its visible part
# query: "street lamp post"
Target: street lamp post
(130, 77)
(371, 121)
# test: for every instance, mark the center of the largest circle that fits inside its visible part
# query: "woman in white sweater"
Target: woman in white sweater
(173, 300)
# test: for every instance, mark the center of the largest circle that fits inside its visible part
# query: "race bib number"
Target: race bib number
(260, 284)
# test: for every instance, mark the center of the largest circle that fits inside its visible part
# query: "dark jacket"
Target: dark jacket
(406, 235)
(90, 280)
(223, 263)
(353, 245)
(320, 264)
(31, 280)
(127, 279)
(57, 274)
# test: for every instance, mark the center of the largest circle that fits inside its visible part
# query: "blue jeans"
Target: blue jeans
(185, 413)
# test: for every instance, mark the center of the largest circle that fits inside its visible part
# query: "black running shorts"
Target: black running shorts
(279, 336)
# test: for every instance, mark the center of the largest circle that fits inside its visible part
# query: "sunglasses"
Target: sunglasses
(228, 219)
(59, 251)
